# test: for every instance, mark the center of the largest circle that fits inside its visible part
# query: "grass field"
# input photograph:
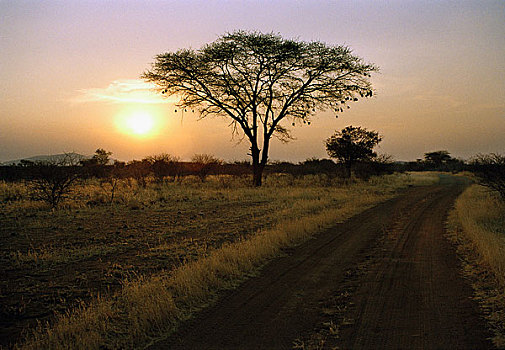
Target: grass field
(478, 224)
(97, 274)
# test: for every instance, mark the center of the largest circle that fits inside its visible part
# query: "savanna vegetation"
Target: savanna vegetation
(102, 254)
(477, 223)
(490, 172)
(128, 250)
(121, 260)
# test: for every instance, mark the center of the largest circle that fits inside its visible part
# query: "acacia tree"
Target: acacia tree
(352, 144)
(437, 158)
(263, 83)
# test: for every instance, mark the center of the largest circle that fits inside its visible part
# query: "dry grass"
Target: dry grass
(154, 304)
(481, 216)
(477, 224)
(423, 178)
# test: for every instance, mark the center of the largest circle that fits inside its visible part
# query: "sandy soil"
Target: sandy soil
(385, 279)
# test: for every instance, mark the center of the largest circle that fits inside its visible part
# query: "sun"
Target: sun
(139, 123)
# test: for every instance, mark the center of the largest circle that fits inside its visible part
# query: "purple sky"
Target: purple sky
(70, 70)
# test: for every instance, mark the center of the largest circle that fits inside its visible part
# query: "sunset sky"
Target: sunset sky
(69, 73)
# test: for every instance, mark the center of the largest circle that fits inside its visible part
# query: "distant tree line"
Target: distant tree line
(51, 181)
(166, 167)
(437, 161)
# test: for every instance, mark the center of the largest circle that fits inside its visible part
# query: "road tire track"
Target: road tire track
(413, 296)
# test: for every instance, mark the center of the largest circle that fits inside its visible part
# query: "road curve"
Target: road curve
(411, 297)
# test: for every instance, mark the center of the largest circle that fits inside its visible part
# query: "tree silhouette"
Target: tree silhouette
(490, 171)
(263, 83)
(96, 165)
(204, 164)
(163, 165)
(101, 156)
(139, 170)
(437, 158)
(352, 144)
(51, 181)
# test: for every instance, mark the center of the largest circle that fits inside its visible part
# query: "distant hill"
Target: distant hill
(49, 158)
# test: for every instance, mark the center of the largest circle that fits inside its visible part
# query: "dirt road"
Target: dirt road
(409, 293)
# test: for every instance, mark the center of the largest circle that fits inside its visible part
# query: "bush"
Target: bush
(490, 172)
(205, 164)
(51, 182)
(163, 165)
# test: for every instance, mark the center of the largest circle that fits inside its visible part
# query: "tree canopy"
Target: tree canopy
(263, 83)
(101, 157)
(352, 144)
(437, 158)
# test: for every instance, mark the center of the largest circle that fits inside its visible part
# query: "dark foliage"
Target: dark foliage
(442, 161)
(351, 145)
(437, 158)
(490, 170)
(52, 181)
(139, 170)
(164, 165)
(205, 164)
(97, 166)
(379, 165)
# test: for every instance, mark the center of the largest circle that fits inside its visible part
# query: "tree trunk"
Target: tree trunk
(348, 168)
(257, 169)
(259, 159)
(260, 165)
(257, 174)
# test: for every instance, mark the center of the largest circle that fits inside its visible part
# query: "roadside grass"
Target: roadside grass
(477, 225)
(259, 224)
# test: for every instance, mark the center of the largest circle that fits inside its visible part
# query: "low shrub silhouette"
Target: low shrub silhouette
(52, 181)
(490, 171)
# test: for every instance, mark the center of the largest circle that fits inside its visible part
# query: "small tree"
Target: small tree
(111, 180)
(139, 170)
(96, 165)
(263, 83)
(101, 157)
(163, 165)
(352, 144)
(490, 170)
(437, 159)
(52, 181)
(204, 164)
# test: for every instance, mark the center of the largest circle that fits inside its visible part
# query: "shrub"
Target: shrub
(490, 172)
(52, 181)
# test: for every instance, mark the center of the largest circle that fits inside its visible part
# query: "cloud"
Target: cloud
(123, 91)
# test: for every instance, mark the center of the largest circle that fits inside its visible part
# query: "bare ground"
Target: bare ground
(115, 243)
(385, 279)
